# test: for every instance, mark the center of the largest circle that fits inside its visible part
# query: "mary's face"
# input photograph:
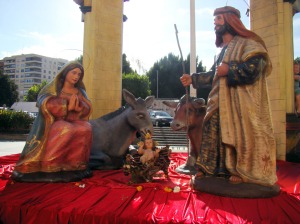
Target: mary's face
(73, 76)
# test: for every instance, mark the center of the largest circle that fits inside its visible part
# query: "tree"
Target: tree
(126, 69)
(203, 91)
(33, 92)
(79, 59)
(165, 74)
(8, 91)
(200, 67)
(138, 85)
(164, 77)
(298, 59)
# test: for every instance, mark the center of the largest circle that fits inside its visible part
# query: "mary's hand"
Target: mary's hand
(77, 108)
(72, 102)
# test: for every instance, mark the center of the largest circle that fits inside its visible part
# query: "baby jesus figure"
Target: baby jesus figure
(148, 149)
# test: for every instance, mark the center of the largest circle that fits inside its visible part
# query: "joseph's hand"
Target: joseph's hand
(186, 80)
(222, 69)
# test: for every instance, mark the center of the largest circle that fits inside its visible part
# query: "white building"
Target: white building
(27, 70)
(28, 107)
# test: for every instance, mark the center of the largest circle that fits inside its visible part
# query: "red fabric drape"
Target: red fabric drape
(107, 198)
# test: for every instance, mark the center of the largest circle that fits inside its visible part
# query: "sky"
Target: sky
(53, 28)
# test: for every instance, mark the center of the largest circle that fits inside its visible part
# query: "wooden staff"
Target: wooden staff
(186, 91)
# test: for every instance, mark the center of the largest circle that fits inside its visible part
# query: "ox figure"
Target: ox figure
(114, 132)
(189, 115)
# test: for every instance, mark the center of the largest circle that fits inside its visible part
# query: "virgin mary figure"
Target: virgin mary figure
(58, 145)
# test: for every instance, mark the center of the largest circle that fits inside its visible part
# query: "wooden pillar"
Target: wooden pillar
(272, 20)
(102, 54)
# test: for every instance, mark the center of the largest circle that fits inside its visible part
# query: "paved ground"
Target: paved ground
(11, 147)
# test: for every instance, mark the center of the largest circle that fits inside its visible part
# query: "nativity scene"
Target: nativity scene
(78, 169)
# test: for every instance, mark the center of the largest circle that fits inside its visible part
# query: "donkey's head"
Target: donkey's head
(187, 109)
(139, 117)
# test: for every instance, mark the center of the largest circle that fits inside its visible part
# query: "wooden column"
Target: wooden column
(102, 57)
(272, 20)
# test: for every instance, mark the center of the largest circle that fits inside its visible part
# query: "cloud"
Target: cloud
(296, 30)
(68, 46)
(204, 11)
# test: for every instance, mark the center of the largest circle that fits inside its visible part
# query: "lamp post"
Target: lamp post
(192, 43)
(157, 84)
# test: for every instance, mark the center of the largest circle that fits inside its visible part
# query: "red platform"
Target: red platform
(106, 198)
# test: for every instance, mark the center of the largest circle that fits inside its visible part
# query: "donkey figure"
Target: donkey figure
(114, 132)
(196, 111)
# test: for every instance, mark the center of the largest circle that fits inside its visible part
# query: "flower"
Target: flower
(176, 189)
(80, 185)
(168, 189)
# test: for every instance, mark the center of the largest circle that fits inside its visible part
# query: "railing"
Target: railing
(177, 140)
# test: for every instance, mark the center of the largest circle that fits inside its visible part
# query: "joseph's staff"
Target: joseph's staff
(182, 62)
(186, 91)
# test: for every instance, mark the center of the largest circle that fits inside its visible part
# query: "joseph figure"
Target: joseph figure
(237, 141)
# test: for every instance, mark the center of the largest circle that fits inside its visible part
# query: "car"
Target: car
(33, 114)
(160, 118)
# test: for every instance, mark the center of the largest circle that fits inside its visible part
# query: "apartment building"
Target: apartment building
(27, 70)
(1, 66)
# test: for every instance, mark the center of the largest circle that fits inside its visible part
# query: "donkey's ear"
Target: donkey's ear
(128, 97)
(149, 101)
(198, 102)
(171, 104)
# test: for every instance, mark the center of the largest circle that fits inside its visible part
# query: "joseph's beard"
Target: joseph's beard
(221, 31)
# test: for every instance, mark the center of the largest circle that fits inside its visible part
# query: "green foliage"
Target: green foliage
(199, 66)
(8, 91)
(80, 59)
(138, 85)
(14, 121)
(297, 59)
(167, 71)
(126, 69)
(165, 75)
(33, 92)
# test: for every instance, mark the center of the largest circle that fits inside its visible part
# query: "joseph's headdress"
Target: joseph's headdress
(232, 17)
(227, 9)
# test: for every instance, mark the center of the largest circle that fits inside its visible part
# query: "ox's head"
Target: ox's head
(139, 117)
(188, 110)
